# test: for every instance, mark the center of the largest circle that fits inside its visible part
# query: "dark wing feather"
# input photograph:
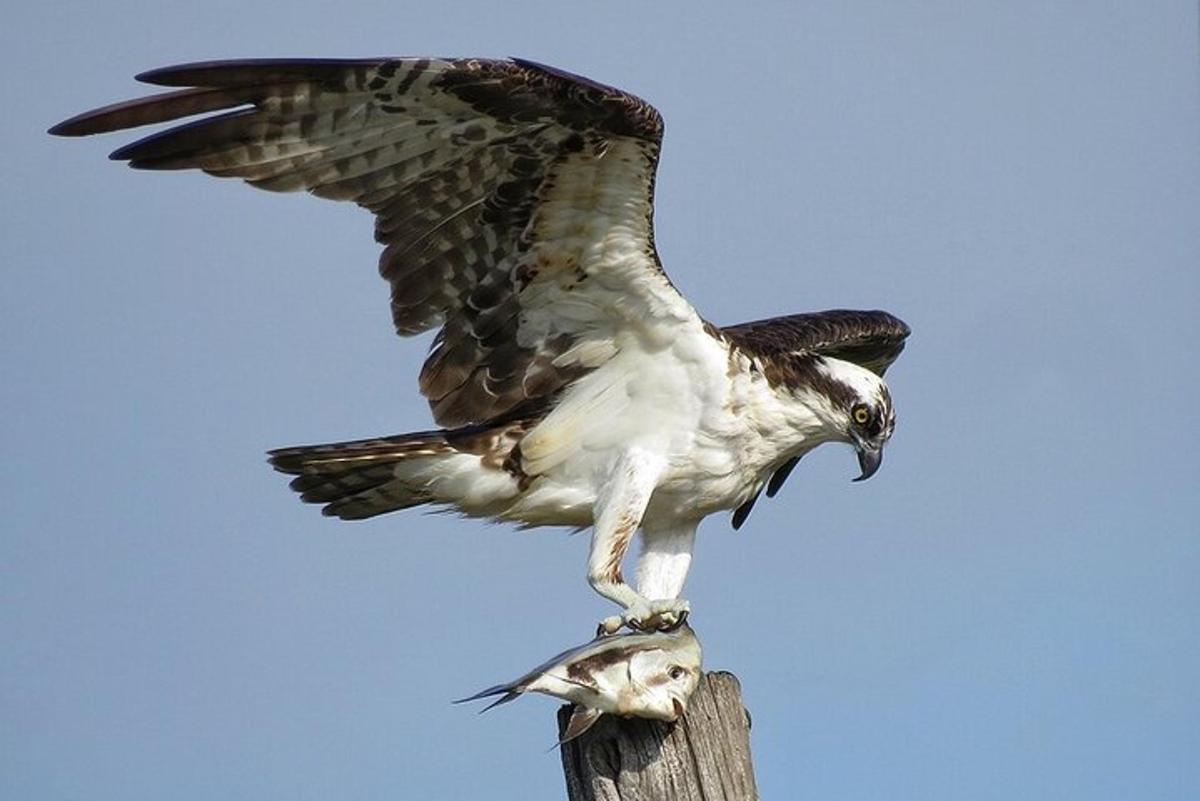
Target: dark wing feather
(500, 190)
(773, 486)
(870, 339)
(742, 512)
(781, 475)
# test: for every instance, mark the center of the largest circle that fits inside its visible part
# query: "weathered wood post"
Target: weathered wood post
(703, 757)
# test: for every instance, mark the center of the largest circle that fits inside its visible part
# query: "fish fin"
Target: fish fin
(582, 719)
(506, 691)
(512, 695)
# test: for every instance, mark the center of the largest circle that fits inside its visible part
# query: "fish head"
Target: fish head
(662, 679)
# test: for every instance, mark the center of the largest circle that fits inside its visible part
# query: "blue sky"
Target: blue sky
(1007, 610)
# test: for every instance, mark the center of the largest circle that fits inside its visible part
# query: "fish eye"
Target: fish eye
(860, 413)
(676, 672)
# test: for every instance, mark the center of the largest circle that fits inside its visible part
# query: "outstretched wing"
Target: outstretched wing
(870, 339)
(514, 201)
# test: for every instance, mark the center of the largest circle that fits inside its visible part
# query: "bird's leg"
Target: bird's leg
(618, 513)
(663, 567)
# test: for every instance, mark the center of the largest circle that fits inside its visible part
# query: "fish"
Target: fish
(636, 674)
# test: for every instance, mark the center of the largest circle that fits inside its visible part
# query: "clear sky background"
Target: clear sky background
(1010, 609)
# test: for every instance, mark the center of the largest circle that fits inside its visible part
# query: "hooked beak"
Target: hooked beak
(869, 460)
(680, 707)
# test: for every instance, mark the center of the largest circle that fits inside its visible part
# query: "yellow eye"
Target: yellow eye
(861, 414)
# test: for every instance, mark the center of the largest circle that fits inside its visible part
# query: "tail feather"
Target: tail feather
(365, 478)
(328, 487)
(336, 456)
(358, 493)
(463, 467)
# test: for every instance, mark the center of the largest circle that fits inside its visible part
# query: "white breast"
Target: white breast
(682, 401)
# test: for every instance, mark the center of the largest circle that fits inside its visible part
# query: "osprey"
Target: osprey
(573, 385)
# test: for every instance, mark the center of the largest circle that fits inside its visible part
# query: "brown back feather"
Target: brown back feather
(870, 339)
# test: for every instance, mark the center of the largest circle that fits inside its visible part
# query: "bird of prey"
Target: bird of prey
(572, 384)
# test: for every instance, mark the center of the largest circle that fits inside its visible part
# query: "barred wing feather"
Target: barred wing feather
(514, 201)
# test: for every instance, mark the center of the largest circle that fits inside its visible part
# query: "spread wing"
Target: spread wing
(514, 201)
(870, 339)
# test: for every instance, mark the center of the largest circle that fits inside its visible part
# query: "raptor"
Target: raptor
(571, 383)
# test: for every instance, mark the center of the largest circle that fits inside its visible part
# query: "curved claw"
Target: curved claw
(667, 616)
(656, 623)
(683, 616)
(665, 621)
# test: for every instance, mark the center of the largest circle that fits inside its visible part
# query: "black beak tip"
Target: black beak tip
(869, 462)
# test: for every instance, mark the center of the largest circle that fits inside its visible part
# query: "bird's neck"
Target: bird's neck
(790, 423)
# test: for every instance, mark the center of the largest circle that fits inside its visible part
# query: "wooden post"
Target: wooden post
(705, 756)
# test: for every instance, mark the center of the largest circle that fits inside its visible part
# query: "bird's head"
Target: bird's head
(853, 405)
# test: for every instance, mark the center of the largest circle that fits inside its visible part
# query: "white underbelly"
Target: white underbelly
(705, 474)
(677, 403)
(701, 483)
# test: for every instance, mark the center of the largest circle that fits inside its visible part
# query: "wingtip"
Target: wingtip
(124, 153)
(177, 74)
(741, 513)
(73, 126)
(148, 76)
(781, 475)
(171, 74)
(902, 328)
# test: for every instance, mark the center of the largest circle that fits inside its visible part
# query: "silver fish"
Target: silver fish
(640, 674)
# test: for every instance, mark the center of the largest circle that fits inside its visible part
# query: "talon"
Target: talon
(667, 615)
(679, 621)
(664, 615)
(661, 622)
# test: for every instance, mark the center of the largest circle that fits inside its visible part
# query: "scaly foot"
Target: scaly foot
(666, 614)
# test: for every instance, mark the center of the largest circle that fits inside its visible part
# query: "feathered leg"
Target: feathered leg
(618, 513)
(666, 556)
